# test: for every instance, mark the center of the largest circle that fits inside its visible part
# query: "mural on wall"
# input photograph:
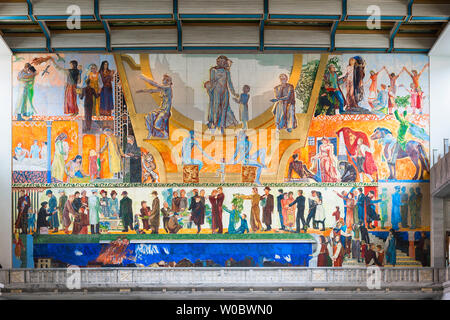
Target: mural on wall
(328, 153)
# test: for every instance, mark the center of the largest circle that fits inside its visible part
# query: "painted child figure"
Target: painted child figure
(243, 106)
(31, 222)
(233, 213)
(244, 225)
(136, 225)
(94, 165)
(363, 250)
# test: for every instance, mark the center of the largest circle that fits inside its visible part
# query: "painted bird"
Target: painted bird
(17, 58)
(60, 59)
(45, 71)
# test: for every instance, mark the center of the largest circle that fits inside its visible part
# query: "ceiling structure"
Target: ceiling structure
(217, 25)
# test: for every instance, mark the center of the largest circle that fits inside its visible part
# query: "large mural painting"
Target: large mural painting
(179, 160)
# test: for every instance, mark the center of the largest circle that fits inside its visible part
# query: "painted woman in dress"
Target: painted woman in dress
(324, 254)
(157, 121)
(60, 156)
(353, 79)
(73, 78)
(350, 205)
(219, 88)
(390, 248)
(106, 93)
(93, 75)
(326, 162)
(290, 212)
(320, 211)
(26, 78)
(114, 152)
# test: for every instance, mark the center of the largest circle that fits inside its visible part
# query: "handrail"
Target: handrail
(235, 276)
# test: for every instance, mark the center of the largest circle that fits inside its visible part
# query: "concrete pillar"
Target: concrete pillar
(437, 233)
(5, 159)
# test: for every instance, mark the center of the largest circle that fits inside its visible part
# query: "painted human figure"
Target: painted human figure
(20, 153)
(393, 79)
(61, 204)
(324, 254)
(404, 207)
(233, 215)
(243, 227)
(396, 203)
(373, 85)
(149, 167)
(74, 168)
(338, 252)
(300, 169)
(219, 88)
(364, 161)
(126, 211)
(216, 199)
(60, 156)
(360, 202)
(415, 76)
(114, 152)
(267, 208)
(381, 104)
(299, 202)
(157, 121)
(154, 213)
(412, 200)
(419, 198)
(284, 105)
(244, 97)
(104, 204)
(93, 76)
(349, 78)
(113, 205)
(312, 209)
(319, 217)
(326, 162)
(384, 207)
(197, 208)
(348, 171)
(23, 205)
(68, 211)
(73, 78)
(90, 96)
(331, 81)
(371, 214)
(106, 92)
(94, 212)
(52, 210)
(255, 221)
(391, 249)
(25, 108)
(35, 150)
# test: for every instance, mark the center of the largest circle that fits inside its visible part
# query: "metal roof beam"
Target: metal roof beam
(105, 24)
(179, 26)
(42, 24)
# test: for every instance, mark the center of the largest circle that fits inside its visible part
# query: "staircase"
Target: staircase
(403, 260)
